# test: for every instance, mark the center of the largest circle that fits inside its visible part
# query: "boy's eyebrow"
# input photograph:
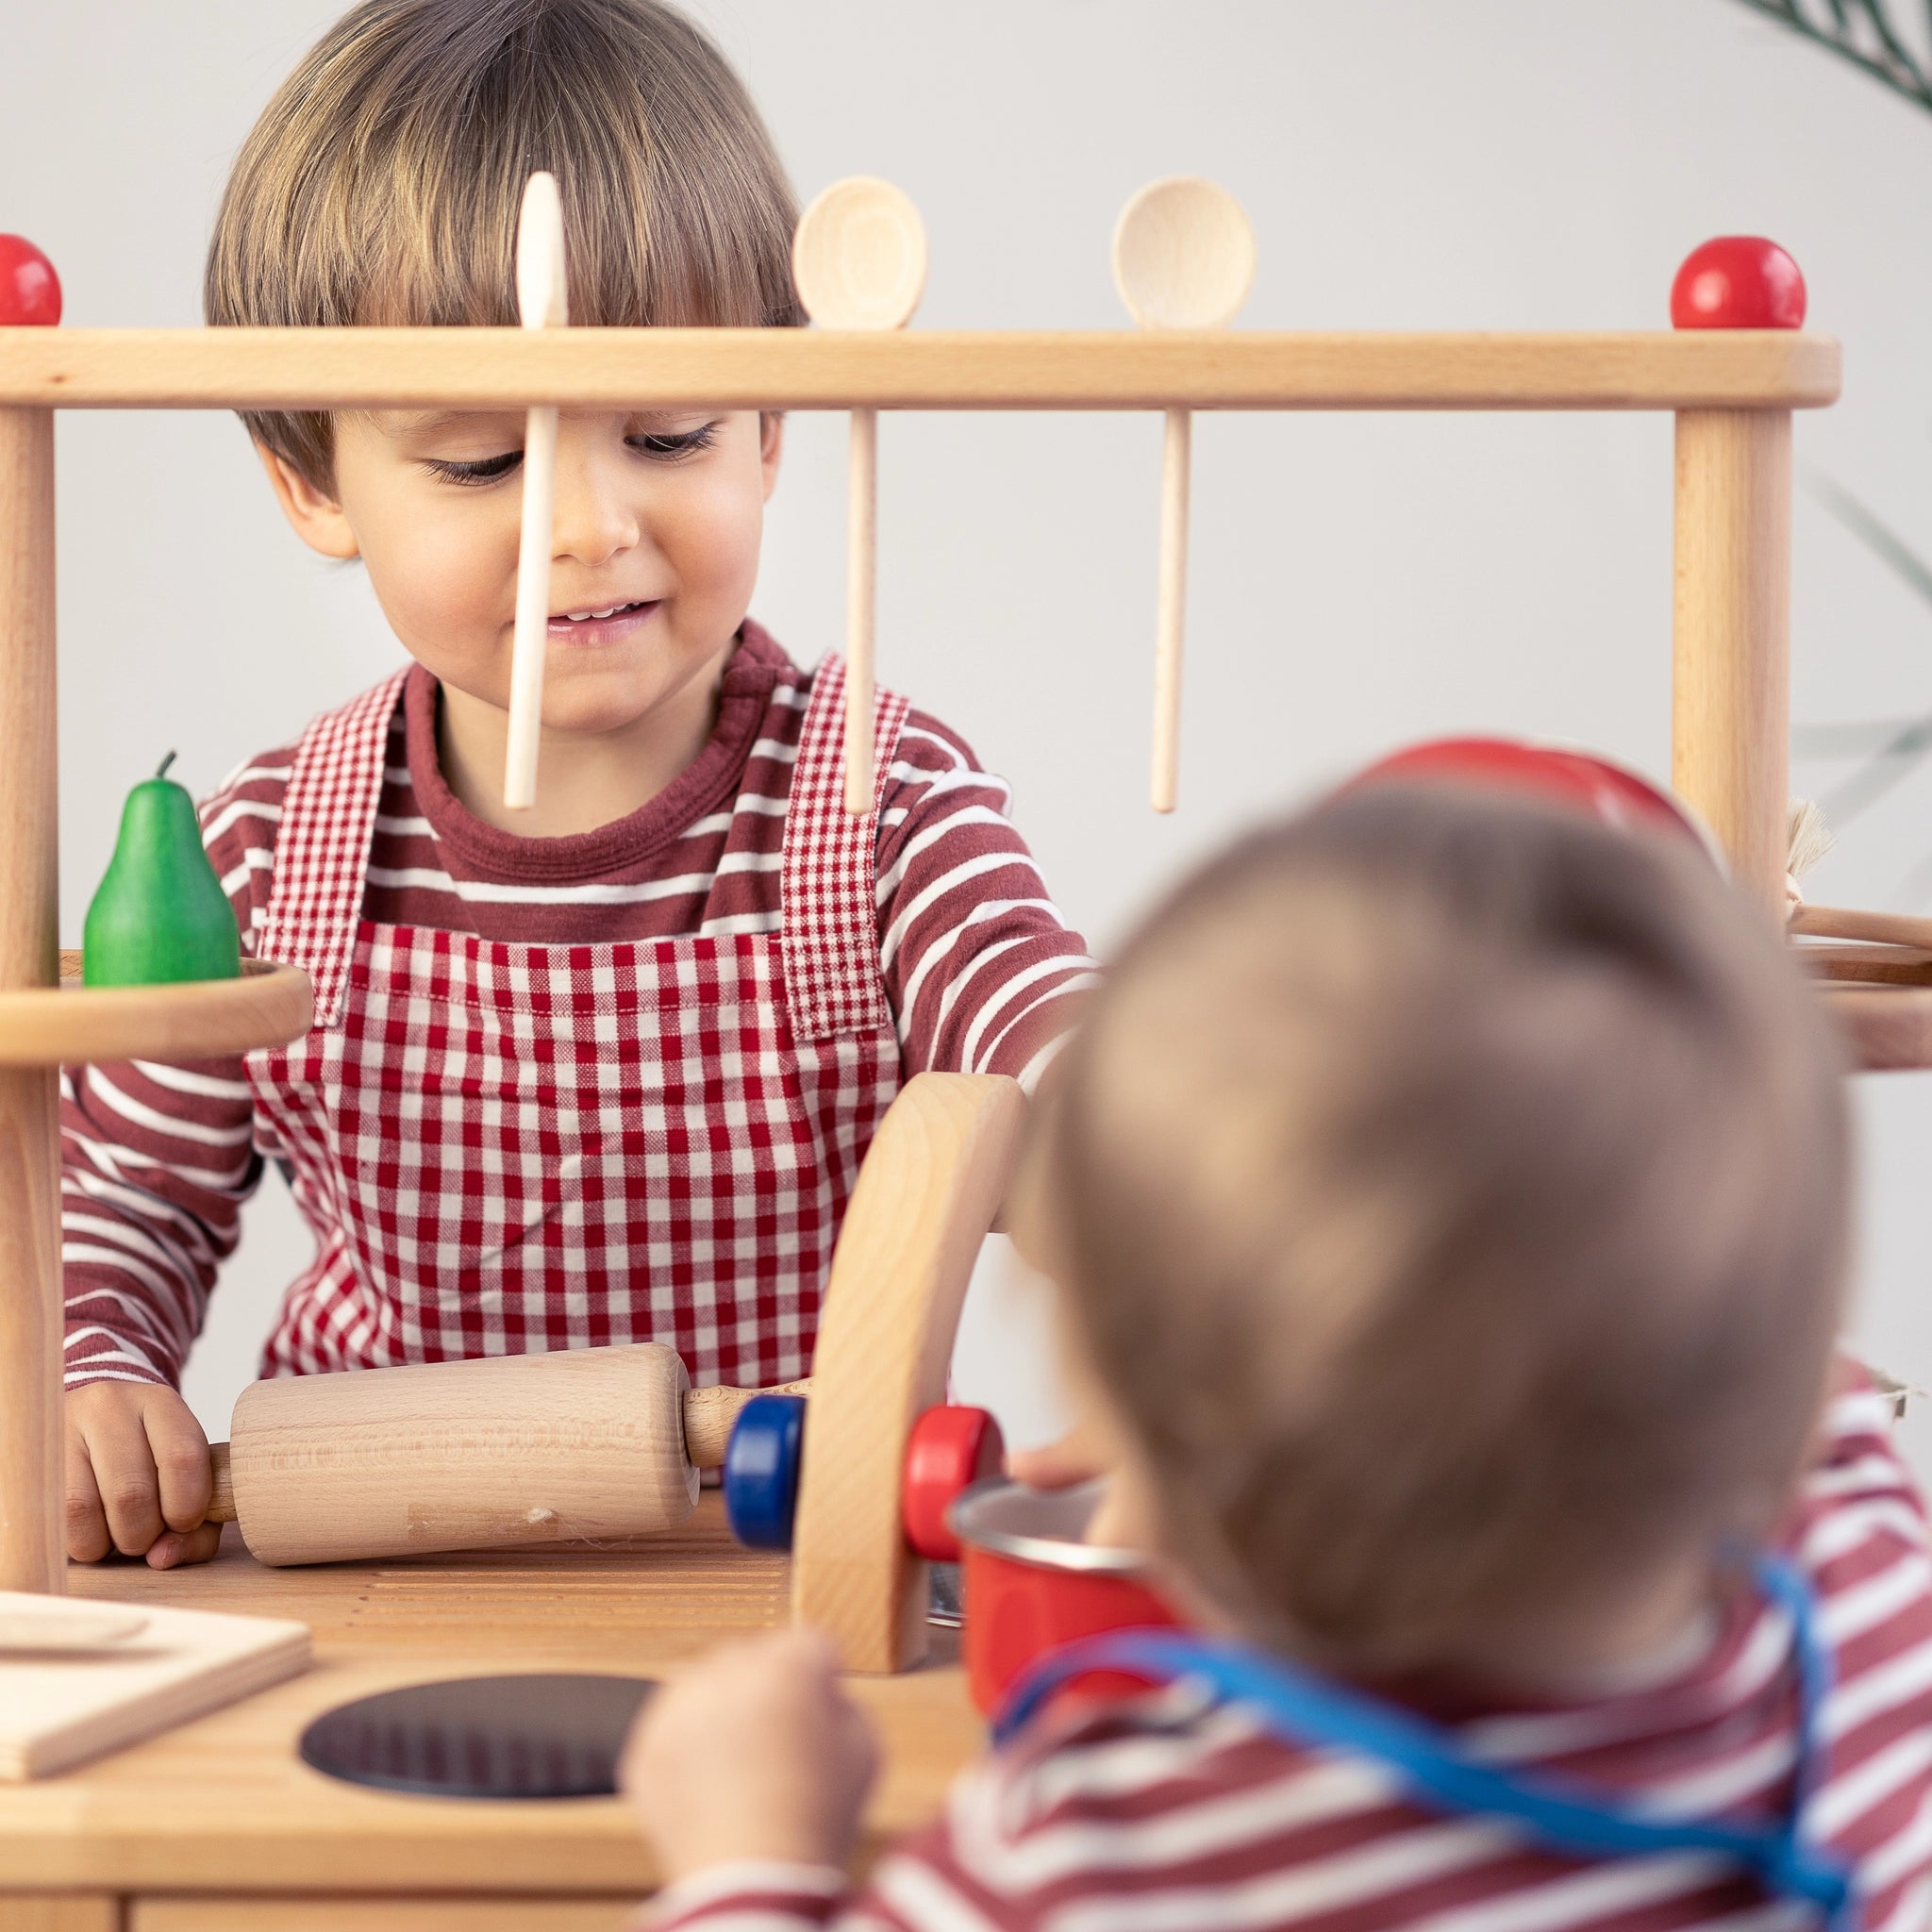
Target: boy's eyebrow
(414, 425)
(409, 425)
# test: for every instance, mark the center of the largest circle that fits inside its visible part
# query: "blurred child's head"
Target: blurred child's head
(1449, 1197)
(381, 187)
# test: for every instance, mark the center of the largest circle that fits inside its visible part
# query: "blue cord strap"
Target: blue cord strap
(1311, 1710)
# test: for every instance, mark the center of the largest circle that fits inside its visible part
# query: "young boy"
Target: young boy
(1447, 1205)
(605, 1071)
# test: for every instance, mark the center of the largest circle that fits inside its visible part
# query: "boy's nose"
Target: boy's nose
(595, 519)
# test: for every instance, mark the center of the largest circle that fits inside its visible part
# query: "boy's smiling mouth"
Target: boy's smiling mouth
(601, 623)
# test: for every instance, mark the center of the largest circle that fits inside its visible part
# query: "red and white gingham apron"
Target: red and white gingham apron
(510, 1148)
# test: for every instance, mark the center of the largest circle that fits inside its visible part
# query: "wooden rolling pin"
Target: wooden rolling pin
(584, 1443)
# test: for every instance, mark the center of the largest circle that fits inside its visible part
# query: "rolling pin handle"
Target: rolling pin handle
(220, 1506)
(711, 1413)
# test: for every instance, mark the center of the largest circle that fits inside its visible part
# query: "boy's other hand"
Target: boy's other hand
(756, 1753)
(138, 1477)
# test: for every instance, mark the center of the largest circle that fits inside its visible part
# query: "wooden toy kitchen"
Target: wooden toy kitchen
(544, 1513)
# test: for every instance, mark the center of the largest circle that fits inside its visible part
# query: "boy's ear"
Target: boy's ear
(771, 447)
(313, 515)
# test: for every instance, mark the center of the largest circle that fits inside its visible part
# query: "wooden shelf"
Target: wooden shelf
(912, 369)
(48, 1027)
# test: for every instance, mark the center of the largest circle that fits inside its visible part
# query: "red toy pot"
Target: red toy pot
(1032, 1585)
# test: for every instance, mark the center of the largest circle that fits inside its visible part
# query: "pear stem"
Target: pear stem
(165, 763)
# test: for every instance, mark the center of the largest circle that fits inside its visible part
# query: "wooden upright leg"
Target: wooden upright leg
(932, 1182)
(1730, 721)
(32, 1554)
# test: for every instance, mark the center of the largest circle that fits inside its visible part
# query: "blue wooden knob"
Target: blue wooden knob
(762, 1471)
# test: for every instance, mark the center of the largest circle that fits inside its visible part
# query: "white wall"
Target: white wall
(1357, 581)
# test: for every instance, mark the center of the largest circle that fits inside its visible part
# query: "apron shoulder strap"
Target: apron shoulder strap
(1431, 1766)
(322, 844)
(828, 921)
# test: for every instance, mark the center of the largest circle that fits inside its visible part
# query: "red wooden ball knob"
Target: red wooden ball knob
(1607, 792)
(29, 289)
(1738, 281)
(949, 1450)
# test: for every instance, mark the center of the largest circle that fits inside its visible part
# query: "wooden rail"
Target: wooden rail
(799, 369)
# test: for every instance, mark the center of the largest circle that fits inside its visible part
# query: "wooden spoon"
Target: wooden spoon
(1183, 257)
(540, 304)
(858, 260)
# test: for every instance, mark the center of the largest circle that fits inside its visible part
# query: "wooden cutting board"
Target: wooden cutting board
(79, 1677)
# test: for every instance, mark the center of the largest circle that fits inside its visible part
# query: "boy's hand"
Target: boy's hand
(138, 1478)
(755, 1754)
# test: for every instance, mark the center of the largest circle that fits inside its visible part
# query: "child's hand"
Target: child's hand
(138, 1478)
(755, 1754)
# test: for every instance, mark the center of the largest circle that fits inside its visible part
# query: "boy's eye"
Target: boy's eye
(664, 445)
(482, 470)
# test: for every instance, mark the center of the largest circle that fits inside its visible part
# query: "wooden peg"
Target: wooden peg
(1183, 257)
(542, 303)
(858, 260)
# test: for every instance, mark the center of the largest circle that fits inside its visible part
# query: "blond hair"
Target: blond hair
(1451, 1199)
(382, 184)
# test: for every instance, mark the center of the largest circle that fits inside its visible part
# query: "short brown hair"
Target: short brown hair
(382, 183)
(1450, 1196)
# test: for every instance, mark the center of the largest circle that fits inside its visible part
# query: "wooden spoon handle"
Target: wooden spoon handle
(708, 1416)
(1171, 608)
(1887, 929)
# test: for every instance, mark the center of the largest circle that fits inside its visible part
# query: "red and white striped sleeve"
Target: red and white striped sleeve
(984, 974)
(1861, 1535)
(157, 1161)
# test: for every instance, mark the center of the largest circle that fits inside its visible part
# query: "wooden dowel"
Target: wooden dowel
(1730, 714)
(861, 608)
(1887, 929)
(1171, 608)
(924, 369)
(32, 1553)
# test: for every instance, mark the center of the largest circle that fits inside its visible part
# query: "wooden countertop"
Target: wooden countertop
(225, 1804)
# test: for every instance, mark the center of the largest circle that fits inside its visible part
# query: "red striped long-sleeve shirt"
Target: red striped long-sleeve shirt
(982, 971)
(1165, 1813)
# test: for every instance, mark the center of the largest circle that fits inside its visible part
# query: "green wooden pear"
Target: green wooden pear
(161, 913)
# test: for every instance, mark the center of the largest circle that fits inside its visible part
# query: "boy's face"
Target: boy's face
(658, 521)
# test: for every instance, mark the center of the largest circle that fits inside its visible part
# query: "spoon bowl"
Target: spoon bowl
(1183, 255)
(859, 257)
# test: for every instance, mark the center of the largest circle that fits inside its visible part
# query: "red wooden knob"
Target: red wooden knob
(29, 289)
(1738, 281)
(949, 1450)
(1607, 792)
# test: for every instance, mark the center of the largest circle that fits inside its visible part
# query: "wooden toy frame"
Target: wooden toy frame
(937, 1169)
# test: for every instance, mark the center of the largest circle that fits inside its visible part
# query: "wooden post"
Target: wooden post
(1730, 715)
(32, 1546)
(930, 1187)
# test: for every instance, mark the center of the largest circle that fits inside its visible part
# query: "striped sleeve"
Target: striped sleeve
(157, 1161)
(983, 973)
(1863, 1537)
